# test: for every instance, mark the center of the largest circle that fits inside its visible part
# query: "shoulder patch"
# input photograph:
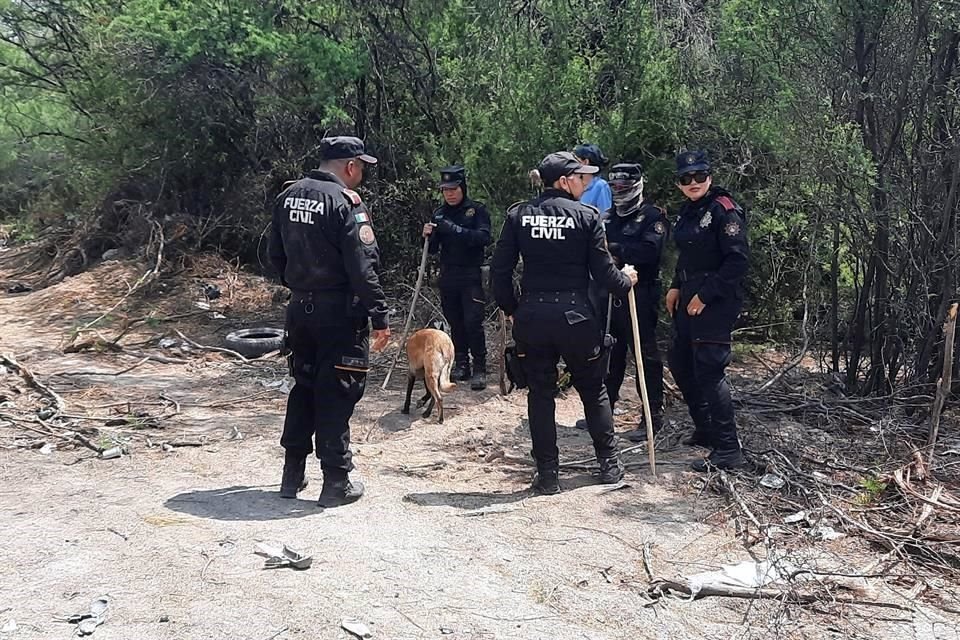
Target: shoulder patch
(470, 212)
(726, 202)
(352, 196)
(366, 235)
(361, 217)
(659, 227)
(732, 229)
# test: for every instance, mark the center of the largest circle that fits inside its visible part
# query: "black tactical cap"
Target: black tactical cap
(692, 161)
(562, 163)
(452, 176)
(590, 152)
(625, 172)
(344, 147)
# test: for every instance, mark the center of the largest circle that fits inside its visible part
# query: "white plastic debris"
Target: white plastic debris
(283, 556)
(793, 518)
(167, 343)
(356, 627)
(112, 453)
(202, 305)
(9, 626)
(772, 481)
(47, 449)
(748, 574)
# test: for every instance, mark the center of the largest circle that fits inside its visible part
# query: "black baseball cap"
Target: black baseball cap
(560, 164)
(452, 176)
(625, 172)
(590, 152)
(344, 147)
(692, 161)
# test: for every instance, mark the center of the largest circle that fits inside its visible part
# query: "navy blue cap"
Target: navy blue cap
(560, 164)
(344, 147)
(692, 161)
(591, 152)
(625, 172)
(452, 176)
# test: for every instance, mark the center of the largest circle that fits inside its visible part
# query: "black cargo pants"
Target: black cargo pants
(547, 327)
(329, 340)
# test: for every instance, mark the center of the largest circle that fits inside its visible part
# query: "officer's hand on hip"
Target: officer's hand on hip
(696, 306)
(631, 273)
(673, 301)
(380, 339)
(428, 229)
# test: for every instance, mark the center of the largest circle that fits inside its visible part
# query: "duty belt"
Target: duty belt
(686, 275)
(307, 298)
(557, 297)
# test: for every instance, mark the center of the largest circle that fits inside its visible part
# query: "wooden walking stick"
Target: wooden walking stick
(503, 353)
(638, 356)
(413, 305)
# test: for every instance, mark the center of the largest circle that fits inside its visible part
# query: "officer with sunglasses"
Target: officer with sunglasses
(704, 300)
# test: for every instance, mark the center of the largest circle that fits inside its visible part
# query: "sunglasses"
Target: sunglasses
(699, 177)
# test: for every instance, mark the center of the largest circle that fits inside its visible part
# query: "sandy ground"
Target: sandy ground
(445, 544)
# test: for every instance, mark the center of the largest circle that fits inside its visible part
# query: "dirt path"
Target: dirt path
(444, 544)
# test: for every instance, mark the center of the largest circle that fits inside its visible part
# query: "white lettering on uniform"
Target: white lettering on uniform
(547, 227)
(302, 209)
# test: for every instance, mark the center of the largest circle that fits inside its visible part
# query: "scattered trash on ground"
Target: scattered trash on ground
(356, 627)
(278, 557)
(87, 623)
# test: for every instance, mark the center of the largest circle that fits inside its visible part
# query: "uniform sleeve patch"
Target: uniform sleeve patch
(659, 227)
(732, 229)
(366, 235)
(361, 217)
(470, 212)
(353, 196)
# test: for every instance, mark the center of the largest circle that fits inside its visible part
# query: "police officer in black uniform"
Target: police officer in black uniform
(704, 300)
(459, 232)
(325, 250)
(636, 231)
(562, 245)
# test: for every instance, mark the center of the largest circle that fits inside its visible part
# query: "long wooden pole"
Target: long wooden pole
(503, 353)
(946, 377)
(638, 356)
(413, 306)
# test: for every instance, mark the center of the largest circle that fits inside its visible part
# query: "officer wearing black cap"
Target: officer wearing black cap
(636, 232)
(325, 250)
(459, 231)
(562, 245)
(704, 299)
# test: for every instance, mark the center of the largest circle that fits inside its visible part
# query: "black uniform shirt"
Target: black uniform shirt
(562, 243)
(711, 234)
(637, 239)
(462, 233)
(322, 240)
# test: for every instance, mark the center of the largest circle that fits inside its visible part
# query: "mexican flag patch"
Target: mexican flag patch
(361, 217)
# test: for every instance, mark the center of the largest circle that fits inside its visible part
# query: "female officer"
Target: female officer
(704, 300)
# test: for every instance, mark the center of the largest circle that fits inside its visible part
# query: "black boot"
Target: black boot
(611, 470)
(547, 482)
(294, 476)
(479, 380)
(720, 459)
(699, 438)
(339, 491)
(460, 372)
(640, 433)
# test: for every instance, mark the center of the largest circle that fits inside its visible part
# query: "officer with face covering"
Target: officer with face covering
(636, 232)
(562, 245)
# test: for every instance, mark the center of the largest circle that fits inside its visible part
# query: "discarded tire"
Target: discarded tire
(255, 342)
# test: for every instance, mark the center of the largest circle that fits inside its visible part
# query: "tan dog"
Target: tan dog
(430, 354)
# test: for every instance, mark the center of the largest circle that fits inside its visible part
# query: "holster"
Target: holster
(514, 365)
(608, 343)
